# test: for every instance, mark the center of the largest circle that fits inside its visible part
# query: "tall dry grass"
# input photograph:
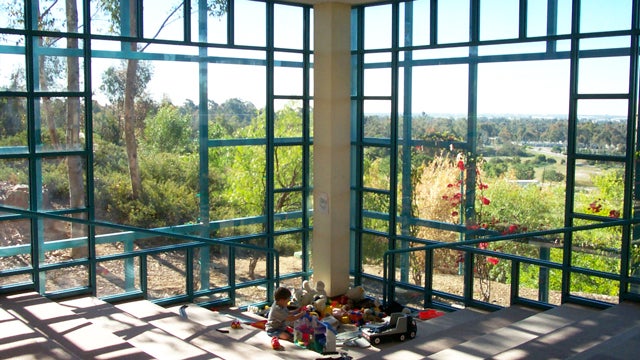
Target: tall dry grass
(434, 182)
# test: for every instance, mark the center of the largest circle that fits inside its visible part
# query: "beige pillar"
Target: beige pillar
(331, 127)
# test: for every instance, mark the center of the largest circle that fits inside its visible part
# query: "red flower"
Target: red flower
(614, 214)
(485, 201)
(483, 245)
(461, 165)
(492, 260)
(482, 186)
(512, 229)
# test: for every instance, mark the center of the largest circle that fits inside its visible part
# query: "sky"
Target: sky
(533, 87)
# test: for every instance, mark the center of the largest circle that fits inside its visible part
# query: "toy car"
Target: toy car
(400, 327)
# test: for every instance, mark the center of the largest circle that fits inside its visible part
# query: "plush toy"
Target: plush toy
(320, 291)
(320, 303)
(320, 297)
(355, 294)
(304, 296)
(372, 315)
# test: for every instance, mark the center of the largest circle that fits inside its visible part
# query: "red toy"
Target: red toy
(235, 324)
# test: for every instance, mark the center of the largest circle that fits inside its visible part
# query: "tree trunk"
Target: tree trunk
(74, 163)
(45, 114)
(130, 129)
(130, 114)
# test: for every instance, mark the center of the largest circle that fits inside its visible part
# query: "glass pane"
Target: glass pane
(56, 180)
(218, 266)
(12, 71)
(419, 12)
(564, 17)
(599, 188)
(102, 22)
(216, 22)
(13, 125)
(440, 89)
(163, 19)
(15, 244)
(603, 75)
(287, 31)
(59, 73)
(604, 15)
(13, 14)
(377, 27)
(499, 19)
(230, 82)
(609, 42)
(287, 174)
(516, 48)
(166, 274)
(288, 119)
(377, 205)
(373, 248)
(376, 124)
(116, 277)
(485, 286)
(532, 284)
(251, 264)
(53, 16)
(242, 187)
(536, 18)
(247, 296)
(250, 23)
(376, 169)
(524, 88)
(290, 250)
(287, 207)
(14, 189)
(453, 21)
(67, 278)
(603, 135)
(57, 236)
(288, 75)
(446, 269)
(595, 288)
(56, 116)
(377, 82)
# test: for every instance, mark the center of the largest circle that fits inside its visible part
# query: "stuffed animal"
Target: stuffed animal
(304, 296)
(355, 294)
(320, 291)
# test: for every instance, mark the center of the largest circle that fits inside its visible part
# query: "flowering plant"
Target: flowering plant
(456, 198)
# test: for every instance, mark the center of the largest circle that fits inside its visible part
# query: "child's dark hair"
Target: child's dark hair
(282, 293)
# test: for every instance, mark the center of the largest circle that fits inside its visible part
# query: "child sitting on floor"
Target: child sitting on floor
(280, 316)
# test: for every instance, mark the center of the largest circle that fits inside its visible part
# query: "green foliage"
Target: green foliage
(524, 171)
(169, 131)
(552, 175)
(511, 149)
(114, 81)
(495, 168)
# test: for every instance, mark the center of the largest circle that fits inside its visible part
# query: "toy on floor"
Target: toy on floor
(401, 327)
(235, 324)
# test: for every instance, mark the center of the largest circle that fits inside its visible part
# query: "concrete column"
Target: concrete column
(331, 126)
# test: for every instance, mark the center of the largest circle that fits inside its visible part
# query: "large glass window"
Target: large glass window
(155, 128)
(511, 134)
